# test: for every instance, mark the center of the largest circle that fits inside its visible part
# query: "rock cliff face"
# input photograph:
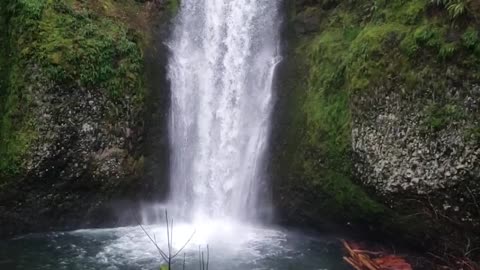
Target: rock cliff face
(377, 123)
(379, 127)
(398, 150)
(72, 111)
(421, 156)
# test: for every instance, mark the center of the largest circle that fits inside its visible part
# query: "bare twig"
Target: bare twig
(208, 256)
(183, 261)
(169, 255)
(471, 250)
(199, 258)
(169, 244)
(433, 207)
(474, 200)
(164, 256)
(185, 245)
(439, 258)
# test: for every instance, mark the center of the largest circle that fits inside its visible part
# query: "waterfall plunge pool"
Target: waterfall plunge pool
(222, 61)
(231, 246)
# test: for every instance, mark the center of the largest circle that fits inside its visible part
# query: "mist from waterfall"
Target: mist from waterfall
(223, 59)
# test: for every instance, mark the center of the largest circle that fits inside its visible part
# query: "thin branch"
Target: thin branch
(168, 241)
(171, 235)
(433, 207)
(208, 255)
(474, 200)
(199, 258)
(471, 250)
(168, 232)
(164, 256)
(168, 258)
(439, 258)
(185, 245)
(183, 261)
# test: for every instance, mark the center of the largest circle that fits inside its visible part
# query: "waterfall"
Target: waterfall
(221, 69)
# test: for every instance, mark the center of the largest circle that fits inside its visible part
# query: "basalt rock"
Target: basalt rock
(379, 129)
(72, 145)
(86, 152)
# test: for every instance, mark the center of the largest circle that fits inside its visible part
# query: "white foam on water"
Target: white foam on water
(227, 242)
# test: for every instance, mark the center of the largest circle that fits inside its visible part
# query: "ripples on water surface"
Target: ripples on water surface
(231, 247)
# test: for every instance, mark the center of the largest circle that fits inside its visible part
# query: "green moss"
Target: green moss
(440, 116)
(322, 161)
(4, 51)
(72, 44)
(428, 35)
(15, 123)
(361, 49)
(367, 62)
(327, 109)
(96, 52)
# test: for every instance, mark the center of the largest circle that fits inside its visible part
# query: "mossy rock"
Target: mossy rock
(361, 54)
(69, 44)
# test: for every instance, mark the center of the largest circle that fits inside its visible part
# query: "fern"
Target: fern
(455, 8)
(470, 38)
(447, 51)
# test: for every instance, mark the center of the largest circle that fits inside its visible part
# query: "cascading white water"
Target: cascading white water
(224, 54)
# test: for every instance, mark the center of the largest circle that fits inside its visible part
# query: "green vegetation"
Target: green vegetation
(173, 6)
(64, 44)
(473, 134)
(4, 49)
(360, 49)
(455, 8)
(440, 116)
(328, 121)
(321, 162)
(76, 46)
